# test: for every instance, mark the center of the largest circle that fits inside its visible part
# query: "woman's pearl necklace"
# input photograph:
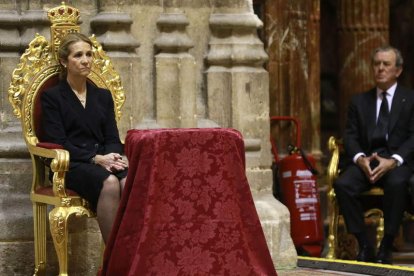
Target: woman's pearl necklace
(81, 97)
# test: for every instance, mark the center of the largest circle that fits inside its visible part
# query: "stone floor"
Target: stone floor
(400, 260)
(312, 272)
(315, 272)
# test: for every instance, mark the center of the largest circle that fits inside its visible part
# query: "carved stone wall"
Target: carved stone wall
(183, 63)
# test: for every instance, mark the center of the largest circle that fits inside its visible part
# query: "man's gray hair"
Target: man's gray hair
(399, 61)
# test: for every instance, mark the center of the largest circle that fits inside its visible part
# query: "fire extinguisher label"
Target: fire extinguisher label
(306, 198)
(303, 173)
(287, 174)
(308, 216)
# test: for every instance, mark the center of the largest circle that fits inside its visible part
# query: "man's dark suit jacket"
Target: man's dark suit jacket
(362, 120)
(84, 132)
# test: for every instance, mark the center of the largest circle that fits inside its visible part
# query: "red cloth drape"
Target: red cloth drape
(187, 208)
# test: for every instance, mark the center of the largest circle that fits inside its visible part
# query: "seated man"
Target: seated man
(379, 139)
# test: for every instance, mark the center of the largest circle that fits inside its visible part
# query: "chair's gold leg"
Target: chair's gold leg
(379, 215)
(380, 230)
(58, 219)
(333, 226)
(39, 223)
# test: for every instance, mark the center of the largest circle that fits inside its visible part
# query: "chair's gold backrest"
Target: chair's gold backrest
(39, 68)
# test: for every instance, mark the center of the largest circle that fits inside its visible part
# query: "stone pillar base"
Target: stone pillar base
(275, 220)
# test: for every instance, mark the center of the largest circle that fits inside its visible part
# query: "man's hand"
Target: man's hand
(384, 165)
(364, 163)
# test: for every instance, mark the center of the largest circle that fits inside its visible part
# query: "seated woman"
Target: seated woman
(80, 117)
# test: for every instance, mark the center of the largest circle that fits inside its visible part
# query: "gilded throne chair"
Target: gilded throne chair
(338, 249)
(339, 246)
(39, 69)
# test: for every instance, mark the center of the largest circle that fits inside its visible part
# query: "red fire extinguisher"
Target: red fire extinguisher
(299, 193)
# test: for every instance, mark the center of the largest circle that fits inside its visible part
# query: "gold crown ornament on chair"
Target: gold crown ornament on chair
(63, 15)
(64, 20)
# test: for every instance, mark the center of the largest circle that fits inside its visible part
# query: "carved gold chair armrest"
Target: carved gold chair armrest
(58, 160)
(334, 146)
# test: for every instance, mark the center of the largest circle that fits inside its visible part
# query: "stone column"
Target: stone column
(293, 46)
(15, 166)
(9, 56)
(112, 30)
(175, 73)
(237, 84)
(237, 97)
(363, 26)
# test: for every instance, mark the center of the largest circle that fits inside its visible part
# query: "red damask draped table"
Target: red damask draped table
(187, 208)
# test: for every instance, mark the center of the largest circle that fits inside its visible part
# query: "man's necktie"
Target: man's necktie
(381, 130)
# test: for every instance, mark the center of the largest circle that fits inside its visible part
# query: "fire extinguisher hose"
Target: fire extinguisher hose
(293, 149)
(308, 163)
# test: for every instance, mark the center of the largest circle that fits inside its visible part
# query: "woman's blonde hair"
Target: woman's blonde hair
(64, 51)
